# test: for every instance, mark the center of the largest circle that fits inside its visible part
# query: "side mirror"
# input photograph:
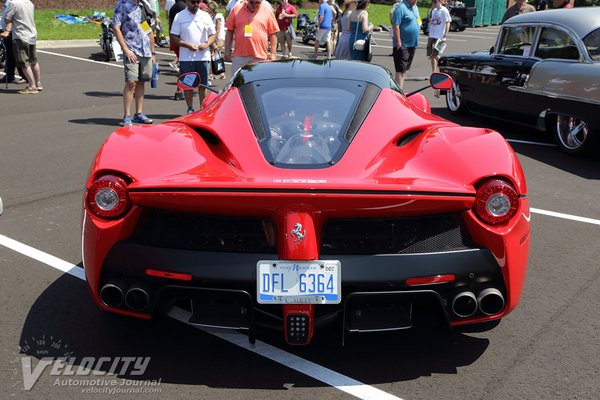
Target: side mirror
(441, 81)
(191, 81)
(492, 50)
(188, 81)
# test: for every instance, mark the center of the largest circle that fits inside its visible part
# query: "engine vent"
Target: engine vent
(161, 228)
(426, 234)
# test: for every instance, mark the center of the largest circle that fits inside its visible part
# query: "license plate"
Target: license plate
(298, 282)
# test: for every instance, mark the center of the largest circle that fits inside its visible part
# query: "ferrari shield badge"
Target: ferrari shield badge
(298, 233)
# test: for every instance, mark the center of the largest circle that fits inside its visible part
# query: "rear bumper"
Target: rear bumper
(232, 276)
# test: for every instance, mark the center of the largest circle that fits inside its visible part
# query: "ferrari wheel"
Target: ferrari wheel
(454, 99)
(572, 135)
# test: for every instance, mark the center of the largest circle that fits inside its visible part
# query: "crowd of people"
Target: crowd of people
(250, 31)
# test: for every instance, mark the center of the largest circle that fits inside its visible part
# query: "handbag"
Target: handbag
(217, 63)
(359, 45)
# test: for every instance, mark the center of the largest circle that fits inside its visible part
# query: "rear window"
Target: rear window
(592, 43)
(304, 121)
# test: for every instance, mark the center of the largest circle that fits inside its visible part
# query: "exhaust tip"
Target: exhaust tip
(464, 304)
(491, 301)
(111, 294)
(137, 298)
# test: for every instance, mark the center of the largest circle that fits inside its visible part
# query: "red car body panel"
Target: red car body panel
(210, 163)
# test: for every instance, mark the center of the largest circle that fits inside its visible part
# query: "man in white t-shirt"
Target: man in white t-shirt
(439, 25)
(194, 32)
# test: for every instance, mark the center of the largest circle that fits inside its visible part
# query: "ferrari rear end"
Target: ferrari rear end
(302, 213)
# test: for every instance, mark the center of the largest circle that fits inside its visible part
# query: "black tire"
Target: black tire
(454, 100)
(572, 135)
(454, 27)
(305, 40)
(107, 50)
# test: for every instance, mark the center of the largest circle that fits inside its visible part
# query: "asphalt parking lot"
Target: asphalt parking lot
(548, 348)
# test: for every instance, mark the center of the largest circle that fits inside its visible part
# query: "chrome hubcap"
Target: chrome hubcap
(572, 132)
(454, 97)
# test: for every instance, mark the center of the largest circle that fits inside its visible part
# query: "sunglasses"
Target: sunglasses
(195, 2)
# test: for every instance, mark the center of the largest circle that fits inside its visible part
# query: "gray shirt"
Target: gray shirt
(20, 12)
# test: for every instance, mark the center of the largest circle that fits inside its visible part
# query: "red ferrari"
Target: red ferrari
(307, 193)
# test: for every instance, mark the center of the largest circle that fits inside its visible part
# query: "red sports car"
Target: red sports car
(306, 193)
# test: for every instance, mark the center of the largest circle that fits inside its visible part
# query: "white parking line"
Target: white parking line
(308, 368)
(566, 216)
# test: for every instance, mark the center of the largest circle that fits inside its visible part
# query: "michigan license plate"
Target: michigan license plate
(298, 282)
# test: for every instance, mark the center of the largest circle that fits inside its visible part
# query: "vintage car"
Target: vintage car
(307, 193)
(542, 72)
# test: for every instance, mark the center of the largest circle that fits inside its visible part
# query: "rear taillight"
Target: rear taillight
(496, 202)
(107, 197)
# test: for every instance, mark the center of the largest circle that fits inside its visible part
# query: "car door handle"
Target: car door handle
(517, 63)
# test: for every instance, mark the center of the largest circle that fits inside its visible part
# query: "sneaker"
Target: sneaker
(39, 87)
(189, 110)
(178, 96)
(20, 81)
(29, 90)
(126, 121)
(141, 118)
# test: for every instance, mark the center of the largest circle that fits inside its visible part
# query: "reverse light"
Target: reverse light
(108, 198)
(496, 202)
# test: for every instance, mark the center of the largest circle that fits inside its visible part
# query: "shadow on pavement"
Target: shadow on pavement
(183, 354)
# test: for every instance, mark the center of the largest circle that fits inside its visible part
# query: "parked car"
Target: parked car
(542, 72)
(331, 197)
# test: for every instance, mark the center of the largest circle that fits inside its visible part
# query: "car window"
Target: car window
(516, 41)
(305, 120)
(556, 43)
(592, 43)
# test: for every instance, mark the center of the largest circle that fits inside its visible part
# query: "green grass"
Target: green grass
(49, 28)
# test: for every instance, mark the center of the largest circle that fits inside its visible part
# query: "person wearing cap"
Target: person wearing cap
(253, 25)
(194, 32)
(342, 50)
(324, 24)
(405, 34)
(359, 28)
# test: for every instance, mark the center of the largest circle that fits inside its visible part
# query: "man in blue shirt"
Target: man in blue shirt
(405, 29)
(134, 34)
(324, 25)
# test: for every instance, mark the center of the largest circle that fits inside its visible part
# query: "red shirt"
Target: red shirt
(284, 23)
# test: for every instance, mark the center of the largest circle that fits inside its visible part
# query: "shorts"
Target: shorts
(201, 67)
(284, 37)
(323, 36)
(25, 53)
(140, 71)
(431, 51)
(403, 58)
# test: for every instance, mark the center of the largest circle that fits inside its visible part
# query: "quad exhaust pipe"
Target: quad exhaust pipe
(490, 302)
(137, 297)
(113, 293)
(464, 304)
(116, 294)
